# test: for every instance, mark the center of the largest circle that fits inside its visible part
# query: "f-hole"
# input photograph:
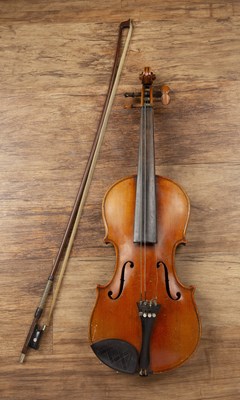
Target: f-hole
(122, 280)
(178, 294)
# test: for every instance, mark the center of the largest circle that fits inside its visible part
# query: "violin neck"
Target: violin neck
(145, 224)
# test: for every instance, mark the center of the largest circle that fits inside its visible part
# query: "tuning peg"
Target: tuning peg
(132, 94)
(133, 100)
(132, 105)
(165, 98)
(163, 94)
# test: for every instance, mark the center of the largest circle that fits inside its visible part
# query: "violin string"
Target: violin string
(145, 204)
(155, 183)
(141, 197)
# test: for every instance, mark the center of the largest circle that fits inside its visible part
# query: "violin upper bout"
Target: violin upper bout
(173, 210)
(118, 209)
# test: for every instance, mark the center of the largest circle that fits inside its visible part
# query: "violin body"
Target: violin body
(144, 319)
(176, 331)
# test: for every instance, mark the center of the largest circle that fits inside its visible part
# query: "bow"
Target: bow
(35, 330)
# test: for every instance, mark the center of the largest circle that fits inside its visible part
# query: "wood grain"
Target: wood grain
(55, 60)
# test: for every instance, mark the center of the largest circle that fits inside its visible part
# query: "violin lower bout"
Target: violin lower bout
(117, 332)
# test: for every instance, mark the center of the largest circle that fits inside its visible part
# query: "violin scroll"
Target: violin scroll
(147, 76)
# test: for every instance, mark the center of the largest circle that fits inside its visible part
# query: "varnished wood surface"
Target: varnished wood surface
(56, 60)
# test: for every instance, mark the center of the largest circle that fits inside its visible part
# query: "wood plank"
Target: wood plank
(213, 224)
(70, 342)
(58, 11)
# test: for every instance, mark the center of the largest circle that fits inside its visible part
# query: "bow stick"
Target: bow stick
(35, 331)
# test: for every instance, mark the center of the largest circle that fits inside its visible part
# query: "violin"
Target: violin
(144, 320)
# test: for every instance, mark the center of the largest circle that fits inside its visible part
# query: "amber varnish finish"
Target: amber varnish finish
(176, 331)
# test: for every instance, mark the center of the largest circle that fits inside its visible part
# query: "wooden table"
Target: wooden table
(55, 63)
